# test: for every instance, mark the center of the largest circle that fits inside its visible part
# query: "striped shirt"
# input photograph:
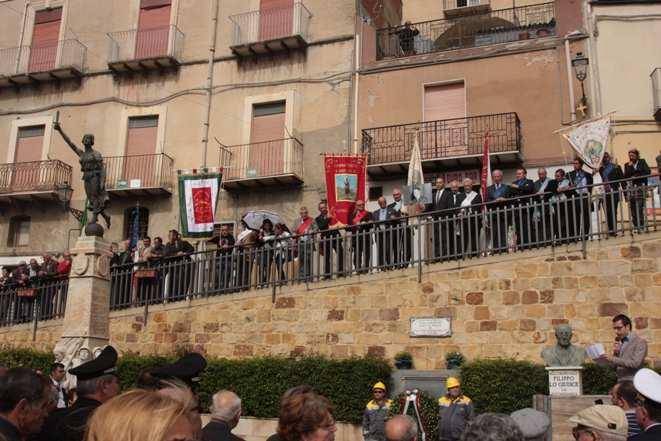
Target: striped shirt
(634, 428)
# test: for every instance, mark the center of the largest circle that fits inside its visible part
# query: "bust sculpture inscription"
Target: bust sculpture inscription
(564, 353)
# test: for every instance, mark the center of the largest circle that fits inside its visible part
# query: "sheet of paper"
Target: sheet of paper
(595, 351)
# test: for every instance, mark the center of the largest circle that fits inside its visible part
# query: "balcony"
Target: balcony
(656, 91)
(451, 143)
(475, 30)
(37, 181)
(145, 49)
(139, 175)
(458, 8)
(60, 60)
(277, 163)
(270, 30)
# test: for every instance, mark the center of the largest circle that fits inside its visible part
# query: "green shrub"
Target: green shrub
(598, 379)
(428, 409)
(10, 357)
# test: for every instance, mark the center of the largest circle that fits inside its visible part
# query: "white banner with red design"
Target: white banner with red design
(198, 197)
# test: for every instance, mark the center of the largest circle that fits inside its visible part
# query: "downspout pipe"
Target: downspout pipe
(215, 5)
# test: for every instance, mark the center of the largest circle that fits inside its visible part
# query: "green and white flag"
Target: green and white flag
(590, 140)
(198, 197)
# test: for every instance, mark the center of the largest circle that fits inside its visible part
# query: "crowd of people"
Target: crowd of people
(34, 274)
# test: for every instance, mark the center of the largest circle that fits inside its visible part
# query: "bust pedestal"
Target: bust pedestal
(565, 381)
(85, 326)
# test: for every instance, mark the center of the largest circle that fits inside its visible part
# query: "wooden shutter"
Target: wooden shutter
(29, 147)
(45, 35)
(266, 139)
(443, 134)
(153, 29)
(140, 162)
(276, 18)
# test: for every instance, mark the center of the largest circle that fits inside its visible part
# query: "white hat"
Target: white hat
(603, 417)
(648, 383)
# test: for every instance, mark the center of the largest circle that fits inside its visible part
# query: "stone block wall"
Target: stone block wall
(501, 306)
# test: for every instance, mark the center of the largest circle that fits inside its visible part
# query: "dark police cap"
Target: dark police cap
(188, 368)
(104, 364)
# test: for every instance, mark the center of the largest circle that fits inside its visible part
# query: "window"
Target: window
(133, 215)
(140, 162)
(275, 19)
(45, 35)
(153, 29)
(19, 232)
(375, 193)
(29, 143)
(267, 131)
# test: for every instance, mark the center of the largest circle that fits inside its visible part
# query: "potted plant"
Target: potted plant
(403, 360)
(454, 359)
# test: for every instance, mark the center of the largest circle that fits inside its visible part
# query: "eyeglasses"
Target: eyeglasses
(578, 431)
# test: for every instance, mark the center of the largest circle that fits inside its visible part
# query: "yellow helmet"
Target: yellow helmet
(452, 382)
(379, 385)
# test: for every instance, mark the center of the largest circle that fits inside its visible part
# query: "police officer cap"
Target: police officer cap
(533, 423)
(648, 383)
(187, 368)
(102, 365)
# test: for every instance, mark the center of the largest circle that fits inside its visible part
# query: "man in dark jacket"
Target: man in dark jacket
(361, 241)
(24, 399)
(225, 415)
(442, 228)
(610, 172)
(455, 411)
(543, 188)
(497, 195)
(581, 182)
(637, 190)
(648, 413)
(382, 231)
(331, 239)
(520, 190)
(177, 253)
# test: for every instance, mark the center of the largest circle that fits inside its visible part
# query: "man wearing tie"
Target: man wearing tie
(582, 183)
(455, 198)
(383, 234)
(57, 375)
(442, 228)
(402, 234)
(497, 195)
(521, 189)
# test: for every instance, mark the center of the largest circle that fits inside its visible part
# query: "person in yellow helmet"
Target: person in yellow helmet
(455, 410)
(376, 412)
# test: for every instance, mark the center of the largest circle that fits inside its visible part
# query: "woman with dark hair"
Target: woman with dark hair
(266, 240)
(637, 191)
(306, 416)
(283, 250)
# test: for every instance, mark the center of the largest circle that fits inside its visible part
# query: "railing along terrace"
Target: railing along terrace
(43, 58)
(140, 44)
(34, 176)
(36, 301)
(500, 26)
(263, 159)
(443, 138)
(467, 231)
(139, 171)
(271, 24)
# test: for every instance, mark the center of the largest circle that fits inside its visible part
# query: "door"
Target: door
(153, 29)
(266, 140)
(27, 172)
(276, 18)
(43, 49)
(444, 132)
(140, 168)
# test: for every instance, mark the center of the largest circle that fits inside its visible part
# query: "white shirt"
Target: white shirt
(60, 393)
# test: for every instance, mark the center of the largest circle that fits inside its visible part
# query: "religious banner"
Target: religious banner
(589, 140)
(345, 184)
(198, 196)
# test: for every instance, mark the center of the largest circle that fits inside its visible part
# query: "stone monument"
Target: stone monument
(563, 363)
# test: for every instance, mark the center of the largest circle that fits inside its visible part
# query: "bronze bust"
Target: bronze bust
(564, 353)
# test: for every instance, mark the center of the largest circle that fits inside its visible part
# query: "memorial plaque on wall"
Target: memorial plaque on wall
(565, 381)
(431, 327)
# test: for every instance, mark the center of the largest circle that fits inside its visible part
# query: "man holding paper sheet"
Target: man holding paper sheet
(629, 350)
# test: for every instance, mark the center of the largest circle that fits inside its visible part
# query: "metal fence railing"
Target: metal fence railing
(443, 138)
(43, 58)
(34, 176)
(139, 172)
(37, 301)
(262, 159)
(500, 26)
(271, 24)
(546, 220)
(141, 44)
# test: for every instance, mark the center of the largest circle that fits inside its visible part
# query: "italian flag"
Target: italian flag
(198, 196)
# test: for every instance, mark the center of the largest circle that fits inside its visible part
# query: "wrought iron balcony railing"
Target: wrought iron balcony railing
(501, 26)
(287, 25)
(263, 160)
(165, 42)
(58, 55)
(37, 176)
(443, 139)
(139, 173)
(656, 91)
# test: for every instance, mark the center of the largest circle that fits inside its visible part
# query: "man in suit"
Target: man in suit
(331, 239)
(497, 195)
(543, 188)
(637, 168)
(361, 241)
(520, 190)
(648, 412)
(24, 399)
(403, 235)
(440, 202)
(57, 376)
(610, 172)
(382, 216)
(454, 223)
(629, 350)
(225, 415)
(582, 184)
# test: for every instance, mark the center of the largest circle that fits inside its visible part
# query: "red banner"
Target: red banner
(202, 206)
(345, 184)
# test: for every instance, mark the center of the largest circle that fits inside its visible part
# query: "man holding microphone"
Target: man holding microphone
(629, 350)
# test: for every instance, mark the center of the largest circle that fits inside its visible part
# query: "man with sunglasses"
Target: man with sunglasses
(376, 411)
(648, 405)
(601, 422)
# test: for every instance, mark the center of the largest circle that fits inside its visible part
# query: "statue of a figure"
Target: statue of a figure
(94, 175)
(564, 353)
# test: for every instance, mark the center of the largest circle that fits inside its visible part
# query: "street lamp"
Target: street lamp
(580, 65)
(64, 193)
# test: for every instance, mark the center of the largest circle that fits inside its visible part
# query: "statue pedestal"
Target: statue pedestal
(85, 329)
(565, 381)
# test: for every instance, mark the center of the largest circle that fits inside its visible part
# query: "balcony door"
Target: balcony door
(153, 29)
(45, 35)
(276, 19)
(267, 148)
(27, 173)
(444, 130)
(140, 167)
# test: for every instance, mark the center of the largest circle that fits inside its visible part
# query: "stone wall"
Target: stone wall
(501, 306)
